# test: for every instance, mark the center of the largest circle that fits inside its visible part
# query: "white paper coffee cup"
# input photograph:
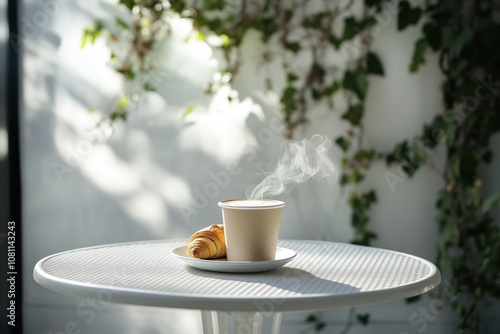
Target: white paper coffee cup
(251, 228)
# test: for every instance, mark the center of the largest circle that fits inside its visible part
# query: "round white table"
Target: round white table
(324, 275)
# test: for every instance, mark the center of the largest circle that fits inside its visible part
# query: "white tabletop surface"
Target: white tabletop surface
(324, 275)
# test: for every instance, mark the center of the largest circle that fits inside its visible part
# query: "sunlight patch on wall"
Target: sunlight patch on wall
(148, 209)
(172, 189)
(221, 120)
(89, 63)
(37, 69)
(184, 56)
(270, 99)
(123, 168)
(107, 171)
(71, 111)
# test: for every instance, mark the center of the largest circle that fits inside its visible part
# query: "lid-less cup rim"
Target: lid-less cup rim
(260, 205)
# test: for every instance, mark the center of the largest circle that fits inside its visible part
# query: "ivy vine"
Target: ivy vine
(461, 32)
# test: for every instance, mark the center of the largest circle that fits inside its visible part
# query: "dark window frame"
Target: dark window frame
(13, 103)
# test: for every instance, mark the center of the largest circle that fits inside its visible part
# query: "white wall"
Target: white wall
(134, 186)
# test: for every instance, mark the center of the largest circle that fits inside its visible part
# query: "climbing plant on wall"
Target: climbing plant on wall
(317, 32)
(462, 33)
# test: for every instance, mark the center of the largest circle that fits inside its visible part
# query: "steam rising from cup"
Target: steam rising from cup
(299, 162)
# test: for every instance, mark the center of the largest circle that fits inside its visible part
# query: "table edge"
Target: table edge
(205, 302)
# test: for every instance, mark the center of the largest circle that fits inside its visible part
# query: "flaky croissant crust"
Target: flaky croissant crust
(208, 243)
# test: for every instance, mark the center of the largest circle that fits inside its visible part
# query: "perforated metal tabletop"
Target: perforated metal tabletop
(324, 275)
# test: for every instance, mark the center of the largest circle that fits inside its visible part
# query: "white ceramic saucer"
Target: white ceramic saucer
(283, 256)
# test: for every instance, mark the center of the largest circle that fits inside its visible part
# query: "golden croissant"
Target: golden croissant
(208, 243)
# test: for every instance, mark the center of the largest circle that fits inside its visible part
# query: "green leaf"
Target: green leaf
(318, 72)
(189, 110)
(448, 5)
(319, 18)
(128, 3)
(408, 15)
(216, 24)
(374, 3)
(409, 168)
(320, 326)
(92, 33)
(127, 73)
(355, 203)
(118, 114)
(453, 171)
(350, 28)
(461, 39)
(373, 64)
(399, 154)
(122, 23)
(335, 41)
(200, 36)
(418, 54)
(354, 114)
(148, 87)
(292, 46)
(95, 36)
(335, 86)
(84, 38)
(361, 84)
(357, 82)
(343, 143)
(355, 177)
(368, 236)
(145, 22)
(490, 201)
(268, 27)
(267, 4)
(364, 155)
(291, 77)
(472, 196)
(457, 68)
(214, 4)
(417, 157)
(177, 6)
(433, 35)
(363, 318)
(288, 14)
(289, 94)
(288, 100)
(316, 94)
(370, 197)
(122, 102)
(113, 58)
(312, 318)
(225, 40)
(447, 34)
